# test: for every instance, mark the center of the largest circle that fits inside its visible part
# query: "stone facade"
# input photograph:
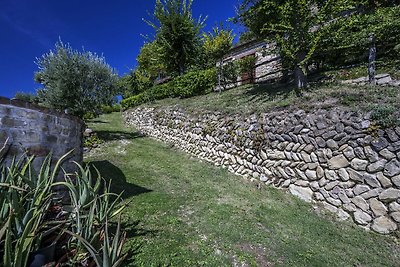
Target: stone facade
(267, 67)
(333, 157)
(34, 130)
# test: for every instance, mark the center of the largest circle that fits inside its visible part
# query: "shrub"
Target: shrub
(106, 109)
(134, 101)
(195, 83)
(190, 84)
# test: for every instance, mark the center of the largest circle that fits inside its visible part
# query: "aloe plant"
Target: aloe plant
(25, 196)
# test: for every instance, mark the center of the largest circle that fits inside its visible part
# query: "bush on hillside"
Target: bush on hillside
(188, 85)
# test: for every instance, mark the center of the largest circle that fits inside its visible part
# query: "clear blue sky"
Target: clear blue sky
(29, 28)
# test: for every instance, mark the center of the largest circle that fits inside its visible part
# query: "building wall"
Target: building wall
(26, 129)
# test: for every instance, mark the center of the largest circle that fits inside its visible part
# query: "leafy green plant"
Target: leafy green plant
(25, 196)
(385, 116)
(92, 141)
(191, 84)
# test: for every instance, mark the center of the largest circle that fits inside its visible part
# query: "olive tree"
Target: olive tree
(74, 81)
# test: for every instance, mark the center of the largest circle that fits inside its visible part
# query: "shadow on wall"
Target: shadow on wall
(111, 172)
(117, 135)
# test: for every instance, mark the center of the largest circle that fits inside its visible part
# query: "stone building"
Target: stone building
(267, 61)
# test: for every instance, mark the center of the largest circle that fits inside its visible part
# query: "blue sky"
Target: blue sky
(30, 28)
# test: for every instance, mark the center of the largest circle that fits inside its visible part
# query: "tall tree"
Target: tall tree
(150, 61)
(216, 44)
(296, 25)
(177, 32)
(76, 81)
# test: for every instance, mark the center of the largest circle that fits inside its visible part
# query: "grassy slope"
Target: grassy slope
(188, 213)
(262, 98)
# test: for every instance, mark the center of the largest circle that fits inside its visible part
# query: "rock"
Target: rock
(312, 175)
(379, 144)
(361, 217)
(360, 188)
(343, 174)
(359, 164)
(331, 185)
(359, 152)
(332, 144)
(320, 142)
(371, 193)
(306, 157)
(286, 183)
(389, 195)
(331, 175)
(314, 186)
(392, 168)
(329, 207)
(383, 225)
(343, 197)
(88, 132)
(396, 180)
(318, 196)
(342, 215)
(394, 207)
(334, 202)
(361, 203)
(350, 207)
(355, 175)
(338, 162)
(371, 180)
(349, 153)
(396, 216)
(301, 192)
(377, 207)
(385, 182)
(320, 172)
(371, 155)
(387, 154)
(377, 166)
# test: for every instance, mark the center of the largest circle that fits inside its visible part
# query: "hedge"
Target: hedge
(188, 85)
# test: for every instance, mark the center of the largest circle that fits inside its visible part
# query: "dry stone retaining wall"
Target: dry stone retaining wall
(27, 128)
(334, 157)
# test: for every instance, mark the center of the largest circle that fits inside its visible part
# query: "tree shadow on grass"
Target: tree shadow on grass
(132, 228)
(269, 91)
(117, 135)
(119, 184)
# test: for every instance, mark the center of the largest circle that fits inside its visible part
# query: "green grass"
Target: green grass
(185, 212)
(263, 98)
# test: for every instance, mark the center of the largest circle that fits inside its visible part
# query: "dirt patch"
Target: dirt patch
(259, 252)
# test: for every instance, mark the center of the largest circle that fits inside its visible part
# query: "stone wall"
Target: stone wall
(335, 157)
(30, 129)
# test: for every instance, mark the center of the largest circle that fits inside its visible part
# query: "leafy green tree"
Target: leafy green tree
(216, 44)
(78, 82)
(134, 83)
(178, 33)
(150, 61)
(296, 25)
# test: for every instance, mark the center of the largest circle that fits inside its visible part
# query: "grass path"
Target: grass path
(189, 213)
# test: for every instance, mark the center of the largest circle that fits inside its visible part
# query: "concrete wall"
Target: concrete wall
(39, 131)
(335, 157)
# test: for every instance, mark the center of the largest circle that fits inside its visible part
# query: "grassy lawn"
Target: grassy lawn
(185, 212)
